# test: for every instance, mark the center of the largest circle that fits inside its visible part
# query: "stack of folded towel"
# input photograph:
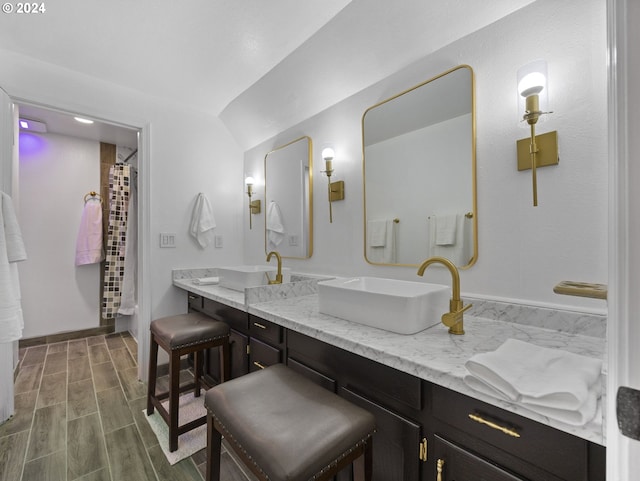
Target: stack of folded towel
(557, 384)
(205, 281)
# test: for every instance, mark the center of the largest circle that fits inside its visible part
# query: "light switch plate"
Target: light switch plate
(217, 241)
(167, 239)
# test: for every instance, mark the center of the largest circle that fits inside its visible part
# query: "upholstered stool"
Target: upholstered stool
(285, 427)
(181, 335)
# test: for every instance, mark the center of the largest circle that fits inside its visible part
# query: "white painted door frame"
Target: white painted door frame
(623, 454)
(144, 220)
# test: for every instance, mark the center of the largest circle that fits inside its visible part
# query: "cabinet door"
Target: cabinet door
(262, 355)
(454, 463)
(239, 355)
(396, 442)
(238, 358)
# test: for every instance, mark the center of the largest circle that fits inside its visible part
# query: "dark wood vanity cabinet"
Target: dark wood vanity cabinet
(471, 432)
(267, 343)
(393, 397)
(238, 337)
(418, 423)
(457, 464)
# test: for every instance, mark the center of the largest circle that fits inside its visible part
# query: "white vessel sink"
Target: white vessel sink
(239, 277)
(403, 307)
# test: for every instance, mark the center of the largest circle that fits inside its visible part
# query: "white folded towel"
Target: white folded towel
(204, 281)
(202, 221)
(446, 229)
(377, 232)
(552, 382)
(275, 225)
(385, 254)
(461, 250)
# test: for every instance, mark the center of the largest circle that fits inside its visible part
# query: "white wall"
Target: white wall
(523, 251)
(55, 173)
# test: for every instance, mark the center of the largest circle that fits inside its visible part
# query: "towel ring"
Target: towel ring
(92, 195)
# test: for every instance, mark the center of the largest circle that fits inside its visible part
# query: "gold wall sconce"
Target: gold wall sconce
(336, 189)
(254, 205)
(541, 150)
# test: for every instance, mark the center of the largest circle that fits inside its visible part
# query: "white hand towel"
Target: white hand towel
(553, 382)
(461, 251)
(206, 281)
(202, 221)
(446, 226)
(275, 225)
(377, 232)
(387, 253)
(89, 248)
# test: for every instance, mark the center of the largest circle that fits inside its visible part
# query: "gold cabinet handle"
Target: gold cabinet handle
(481, 420)
(257, 364)
(423, 450)
(439, 469)
(192, 298)
(261, 326)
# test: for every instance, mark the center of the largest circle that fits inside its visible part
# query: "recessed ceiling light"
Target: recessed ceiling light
(83, 121)
(33, 125)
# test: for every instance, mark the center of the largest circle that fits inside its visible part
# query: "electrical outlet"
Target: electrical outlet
(217, 241)
(293, 240)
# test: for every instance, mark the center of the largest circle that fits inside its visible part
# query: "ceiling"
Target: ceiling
(65, 124)
(219, 56)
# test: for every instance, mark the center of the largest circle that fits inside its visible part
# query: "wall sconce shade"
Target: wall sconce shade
(542, 150)
(336, 189)
(254, 205)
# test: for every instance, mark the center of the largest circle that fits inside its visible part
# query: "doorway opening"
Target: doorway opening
(56, 174)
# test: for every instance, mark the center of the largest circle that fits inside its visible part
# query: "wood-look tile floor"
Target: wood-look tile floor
(79, 417)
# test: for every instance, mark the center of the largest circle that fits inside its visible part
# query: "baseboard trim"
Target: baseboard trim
(66, 336)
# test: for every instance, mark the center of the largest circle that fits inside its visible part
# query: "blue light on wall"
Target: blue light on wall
(30, 145)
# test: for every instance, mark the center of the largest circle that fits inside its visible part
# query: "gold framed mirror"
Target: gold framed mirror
(419, 173)
(288, 192)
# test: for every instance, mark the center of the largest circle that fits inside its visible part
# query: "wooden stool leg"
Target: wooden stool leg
(153, 374)
(197, 372)
(174, 395)
(363, 466)
(225, 361)
(213, 451)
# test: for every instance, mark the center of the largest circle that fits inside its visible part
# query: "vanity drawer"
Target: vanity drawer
(554, 451)
(313, 375)
(382, 383)
(265, 330)
(236, 318)
(195, 301)
(262, 355)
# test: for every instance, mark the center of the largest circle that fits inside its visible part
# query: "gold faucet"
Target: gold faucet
(453, 318)
(278, 279)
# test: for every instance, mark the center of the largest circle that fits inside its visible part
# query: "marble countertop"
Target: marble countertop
(433, 354)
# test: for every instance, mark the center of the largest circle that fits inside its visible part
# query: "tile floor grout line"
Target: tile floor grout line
(146, 450)
(33, 417)
(95, 395)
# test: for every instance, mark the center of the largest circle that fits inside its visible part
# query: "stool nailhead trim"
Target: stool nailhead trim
(229, 437)
(200, 341)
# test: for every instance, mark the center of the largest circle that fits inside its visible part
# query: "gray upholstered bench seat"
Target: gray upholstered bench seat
(286, 428)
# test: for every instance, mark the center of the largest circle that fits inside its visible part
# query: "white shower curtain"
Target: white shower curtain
(128, 299)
